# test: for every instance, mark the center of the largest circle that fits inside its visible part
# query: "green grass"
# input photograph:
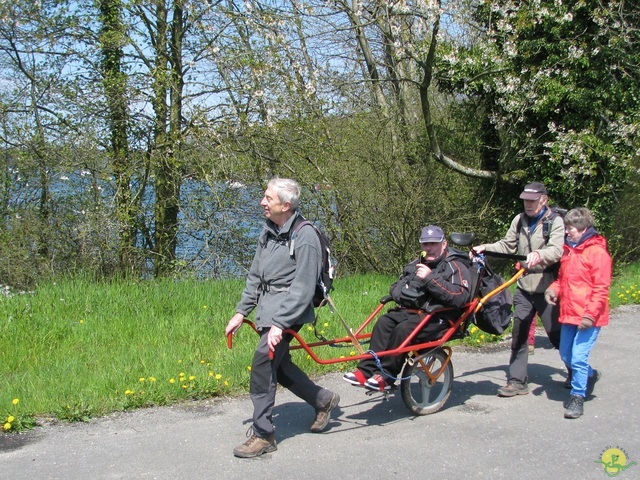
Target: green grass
(77, 349)
(625, 289)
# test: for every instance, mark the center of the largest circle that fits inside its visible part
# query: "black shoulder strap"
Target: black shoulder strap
(295, 228)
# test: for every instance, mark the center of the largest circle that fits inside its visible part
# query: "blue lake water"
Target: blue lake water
(219, 223)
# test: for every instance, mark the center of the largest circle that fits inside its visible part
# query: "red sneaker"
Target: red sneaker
(356, 378)
(378, 384)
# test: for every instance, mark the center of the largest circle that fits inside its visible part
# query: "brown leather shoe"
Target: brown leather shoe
(256, 446)
(513, 388)
(324, 414)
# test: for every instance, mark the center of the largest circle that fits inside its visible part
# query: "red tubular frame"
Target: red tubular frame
(406, 345)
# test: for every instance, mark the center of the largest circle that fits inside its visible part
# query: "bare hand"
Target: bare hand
(422, 271)
(585, 323)
(273, 337)
(533, 259)
(234, 324)
(477, 249)
(551, 296)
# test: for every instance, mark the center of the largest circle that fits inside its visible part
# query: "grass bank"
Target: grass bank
(77, 349)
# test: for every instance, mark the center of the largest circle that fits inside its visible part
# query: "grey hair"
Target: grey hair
(288, 190)
(581, 218)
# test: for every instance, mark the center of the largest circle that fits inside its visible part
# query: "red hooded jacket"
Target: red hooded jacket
(583, 281)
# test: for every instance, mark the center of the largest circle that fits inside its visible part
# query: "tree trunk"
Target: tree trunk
(112, 40)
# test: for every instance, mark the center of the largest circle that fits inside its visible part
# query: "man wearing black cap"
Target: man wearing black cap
(439, 276)
(538, 234)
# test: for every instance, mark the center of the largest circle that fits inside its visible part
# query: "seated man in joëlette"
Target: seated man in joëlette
(440, 276)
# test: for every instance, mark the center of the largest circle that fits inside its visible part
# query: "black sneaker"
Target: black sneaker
(591, 381)
(575, 407)
(512, 389)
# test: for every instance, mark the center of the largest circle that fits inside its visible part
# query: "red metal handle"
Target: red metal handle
(230, 340)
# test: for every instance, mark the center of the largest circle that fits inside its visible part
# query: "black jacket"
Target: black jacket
(448, 284)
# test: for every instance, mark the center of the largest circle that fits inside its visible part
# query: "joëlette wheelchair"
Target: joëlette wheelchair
(427, 376)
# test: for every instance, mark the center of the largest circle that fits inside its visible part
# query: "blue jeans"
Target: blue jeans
(575, 347)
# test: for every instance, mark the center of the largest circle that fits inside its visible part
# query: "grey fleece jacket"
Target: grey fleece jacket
(522, 242)
(291, 282)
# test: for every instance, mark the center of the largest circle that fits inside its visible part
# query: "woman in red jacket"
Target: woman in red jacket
(582, 290)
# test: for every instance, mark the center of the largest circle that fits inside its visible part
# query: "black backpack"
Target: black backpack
(495, 315)
(325, 281)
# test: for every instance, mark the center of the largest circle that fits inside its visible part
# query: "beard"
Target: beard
(432, 263)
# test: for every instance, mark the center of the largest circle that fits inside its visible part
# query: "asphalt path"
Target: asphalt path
(476, 435)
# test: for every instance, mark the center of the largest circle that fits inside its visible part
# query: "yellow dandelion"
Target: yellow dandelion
(141, 379)
(201, 362)
(81, 321)
(310, 328)
(211, 374)
(218, 376)
(129, 392)
(352, 353)
(182, 374)
(325, 324)
(152, 379)
(184, 387)
(191, 378)
(172, 380)
(10, 418)
(15, 401)
(249, 368)
(7, 426)
(226, 383)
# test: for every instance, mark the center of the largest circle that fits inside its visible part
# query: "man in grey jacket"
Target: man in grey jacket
(282, 289)
(538, 234)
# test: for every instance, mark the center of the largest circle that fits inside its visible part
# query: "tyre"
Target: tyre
(424, 395)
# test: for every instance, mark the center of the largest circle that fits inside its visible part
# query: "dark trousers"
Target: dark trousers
(525, 307)
(390, 330)
(267, 373)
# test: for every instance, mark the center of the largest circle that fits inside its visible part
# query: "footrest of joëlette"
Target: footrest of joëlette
(384, 394)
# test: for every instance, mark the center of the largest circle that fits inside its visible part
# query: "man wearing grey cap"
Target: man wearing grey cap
(440, 275)
(538, 234)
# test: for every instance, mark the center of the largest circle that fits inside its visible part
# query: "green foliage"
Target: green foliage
(540, 90)
(557, 81)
